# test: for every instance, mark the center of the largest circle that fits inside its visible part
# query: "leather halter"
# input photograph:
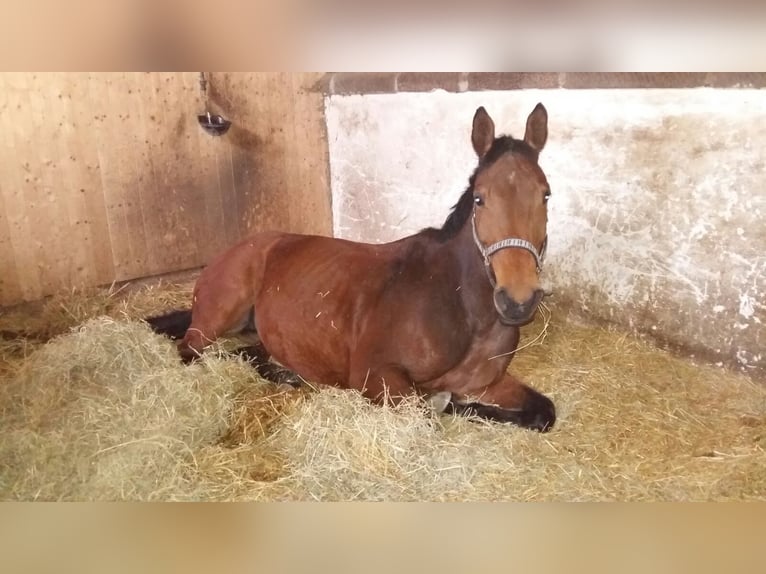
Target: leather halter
(511, 242)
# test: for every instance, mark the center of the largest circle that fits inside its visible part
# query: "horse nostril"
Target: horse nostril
(503, 302)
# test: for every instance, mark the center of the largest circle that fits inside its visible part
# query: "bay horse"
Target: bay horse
(436, 313)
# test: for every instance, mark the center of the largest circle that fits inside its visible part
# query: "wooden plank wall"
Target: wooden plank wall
(108, 177)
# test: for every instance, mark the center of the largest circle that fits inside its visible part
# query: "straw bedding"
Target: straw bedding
(94, 406)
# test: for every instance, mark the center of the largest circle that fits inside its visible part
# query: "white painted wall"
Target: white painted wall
(656, 219)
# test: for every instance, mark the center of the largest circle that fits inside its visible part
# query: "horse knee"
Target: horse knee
(535, 410)
(192, 345)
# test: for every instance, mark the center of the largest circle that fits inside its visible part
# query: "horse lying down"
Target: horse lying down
(436, 313)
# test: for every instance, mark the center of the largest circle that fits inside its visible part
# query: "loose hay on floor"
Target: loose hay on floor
(106, 412)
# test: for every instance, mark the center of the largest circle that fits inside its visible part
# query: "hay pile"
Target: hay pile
(105, 411)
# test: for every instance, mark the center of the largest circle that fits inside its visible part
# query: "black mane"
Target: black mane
(461, 211)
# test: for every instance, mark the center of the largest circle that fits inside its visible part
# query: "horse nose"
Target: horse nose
(511, 311)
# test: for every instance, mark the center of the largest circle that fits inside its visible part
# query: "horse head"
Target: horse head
(510, 213)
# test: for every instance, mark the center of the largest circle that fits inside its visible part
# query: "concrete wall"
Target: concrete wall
(656, 219)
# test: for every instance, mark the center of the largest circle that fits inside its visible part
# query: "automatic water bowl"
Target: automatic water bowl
(213, 124)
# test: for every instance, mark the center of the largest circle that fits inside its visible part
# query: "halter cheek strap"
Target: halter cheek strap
(511, 242)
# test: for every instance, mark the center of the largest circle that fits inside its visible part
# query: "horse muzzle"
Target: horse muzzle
(513, 313)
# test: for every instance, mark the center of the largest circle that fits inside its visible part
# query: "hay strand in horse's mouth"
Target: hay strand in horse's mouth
(545, 313)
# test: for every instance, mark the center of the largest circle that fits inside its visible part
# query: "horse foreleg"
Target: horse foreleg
(382, 385)
(260, 359)
(509, 401)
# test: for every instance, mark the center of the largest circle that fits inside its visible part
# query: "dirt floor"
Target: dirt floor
(94, 406)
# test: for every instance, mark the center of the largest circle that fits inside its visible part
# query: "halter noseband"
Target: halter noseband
(511, 242)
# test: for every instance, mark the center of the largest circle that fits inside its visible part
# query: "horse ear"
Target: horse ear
(483, 133)
(537, 128)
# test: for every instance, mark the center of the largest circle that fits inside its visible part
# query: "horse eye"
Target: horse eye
(477, 199)
(546, 195)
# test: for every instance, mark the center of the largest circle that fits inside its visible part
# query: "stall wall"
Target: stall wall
(109, 177)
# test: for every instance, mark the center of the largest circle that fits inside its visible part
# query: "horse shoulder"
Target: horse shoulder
(484, 362)
(416, 319)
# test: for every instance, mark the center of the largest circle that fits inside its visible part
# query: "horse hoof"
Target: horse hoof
(539, 414)
(439, 401)
(285, 377)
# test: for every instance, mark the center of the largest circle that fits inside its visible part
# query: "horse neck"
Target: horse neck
(475, 288)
